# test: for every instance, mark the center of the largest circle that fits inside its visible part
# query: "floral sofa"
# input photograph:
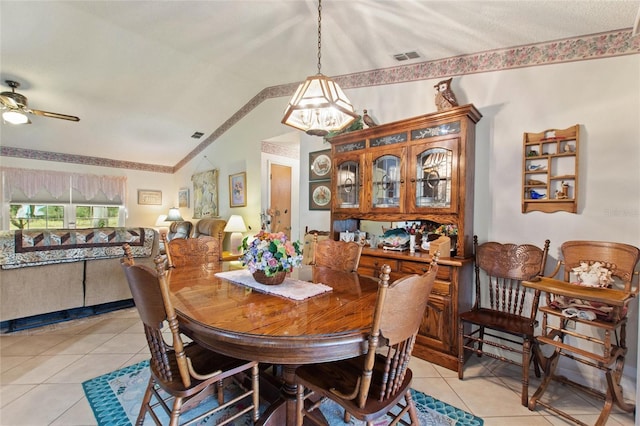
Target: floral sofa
(47, 271)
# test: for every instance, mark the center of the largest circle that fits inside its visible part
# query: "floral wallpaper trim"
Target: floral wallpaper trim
(594, 46)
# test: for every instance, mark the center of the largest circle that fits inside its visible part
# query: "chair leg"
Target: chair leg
(299, 405)
(175, 411)
(413, 415)
(549, 371)
(460, 350)
(480, 341)
(537, 358)
(255, 385)
(220, 389)
(145, 403)
(526, 354)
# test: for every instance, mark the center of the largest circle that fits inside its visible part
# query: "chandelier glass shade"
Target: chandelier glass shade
(319, 105)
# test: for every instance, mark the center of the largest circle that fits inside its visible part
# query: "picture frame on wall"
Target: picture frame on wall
(205, 194)
(320, 195)
(183, 197)
(238, 190)
(149, 197)
(320, 165)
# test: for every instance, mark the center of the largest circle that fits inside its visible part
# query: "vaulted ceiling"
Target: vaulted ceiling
(143, 76)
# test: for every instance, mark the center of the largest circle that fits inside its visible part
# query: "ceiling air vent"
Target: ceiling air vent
(197, 135)
(406, 56)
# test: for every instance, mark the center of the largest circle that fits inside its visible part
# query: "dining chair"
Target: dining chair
(194, 251)
(503, 316)
(339, 255)
(587, 324)
(368, 387)
(182, 374)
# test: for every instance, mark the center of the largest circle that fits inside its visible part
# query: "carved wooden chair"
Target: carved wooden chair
(502, 305)
(598, 316)
(185, 372)
(339, 255)
(370, 386)
(193, 251)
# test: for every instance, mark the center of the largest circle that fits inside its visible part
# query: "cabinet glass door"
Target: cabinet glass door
(434, 178)
(348, 185)
(386, 175)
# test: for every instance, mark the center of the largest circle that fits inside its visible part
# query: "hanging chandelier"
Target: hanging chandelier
(319, 105)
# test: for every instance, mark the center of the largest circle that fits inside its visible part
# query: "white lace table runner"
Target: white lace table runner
(290, 288)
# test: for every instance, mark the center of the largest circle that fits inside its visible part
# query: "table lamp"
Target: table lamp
(174, 215)
(236, 226)
(162, 225)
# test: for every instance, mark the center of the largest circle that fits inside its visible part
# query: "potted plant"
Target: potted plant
(269, 256)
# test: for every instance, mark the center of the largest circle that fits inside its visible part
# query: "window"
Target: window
(36, 216)
(97, 216)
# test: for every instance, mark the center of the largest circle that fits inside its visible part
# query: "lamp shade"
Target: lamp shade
(318, 107)
(174, 215)
(236, 226)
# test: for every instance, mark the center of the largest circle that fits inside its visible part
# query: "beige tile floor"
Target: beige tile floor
(41, 371)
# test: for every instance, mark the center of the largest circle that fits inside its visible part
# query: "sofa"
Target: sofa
(54, 271)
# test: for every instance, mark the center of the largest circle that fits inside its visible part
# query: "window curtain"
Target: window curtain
(30, 182)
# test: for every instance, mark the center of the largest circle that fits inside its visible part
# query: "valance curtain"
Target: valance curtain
(30, 182)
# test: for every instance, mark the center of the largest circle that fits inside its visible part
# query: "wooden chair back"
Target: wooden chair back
(500, 270)
(621, 259)
(150, 293)
(399, 310)
(339, 255)
(194, 251)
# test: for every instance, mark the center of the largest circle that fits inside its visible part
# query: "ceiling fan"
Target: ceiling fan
(14, 106)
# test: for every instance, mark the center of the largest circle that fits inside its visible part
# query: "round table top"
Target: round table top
(239, 321)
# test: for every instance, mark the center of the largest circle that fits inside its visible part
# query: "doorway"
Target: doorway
(280, 198)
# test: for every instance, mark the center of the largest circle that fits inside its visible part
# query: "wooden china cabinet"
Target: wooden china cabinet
(418, 169)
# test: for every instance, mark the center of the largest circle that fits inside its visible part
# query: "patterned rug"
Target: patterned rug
(115, 400)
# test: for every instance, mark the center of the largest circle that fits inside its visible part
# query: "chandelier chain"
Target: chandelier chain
(319, 33)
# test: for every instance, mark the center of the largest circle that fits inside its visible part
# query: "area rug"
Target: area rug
(115, 400)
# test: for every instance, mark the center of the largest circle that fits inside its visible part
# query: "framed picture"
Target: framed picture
(238, 190)
(320, 165)
(183, 197)
(320, 195)
(205, 194)
(149, 197)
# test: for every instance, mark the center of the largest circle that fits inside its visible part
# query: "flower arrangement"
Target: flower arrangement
(271, 253)
(446, 230)
(594, 275)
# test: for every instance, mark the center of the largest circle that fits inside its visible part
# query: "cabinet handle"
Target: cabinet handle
(402, 181)
(412, 180)
(424, 269)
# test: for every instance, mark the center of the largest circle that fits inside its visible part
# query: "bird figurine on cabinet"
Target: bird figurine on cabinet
(445, 98)
(368, 120)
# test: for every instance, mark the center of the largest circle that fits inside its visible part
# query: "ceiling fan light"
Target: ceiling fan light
(15, 117)
(319, 106)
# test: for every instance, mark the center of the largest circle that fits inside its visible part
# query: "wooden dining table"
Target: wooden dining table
(239, 321)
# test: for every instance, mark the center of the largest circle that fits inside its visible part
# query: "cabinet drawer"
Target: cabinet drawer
(444, 271)
(377, 262)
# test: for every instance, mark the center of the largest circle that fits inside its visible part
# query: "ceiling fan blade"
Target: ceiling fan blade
(54, 115)
(8, 102)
